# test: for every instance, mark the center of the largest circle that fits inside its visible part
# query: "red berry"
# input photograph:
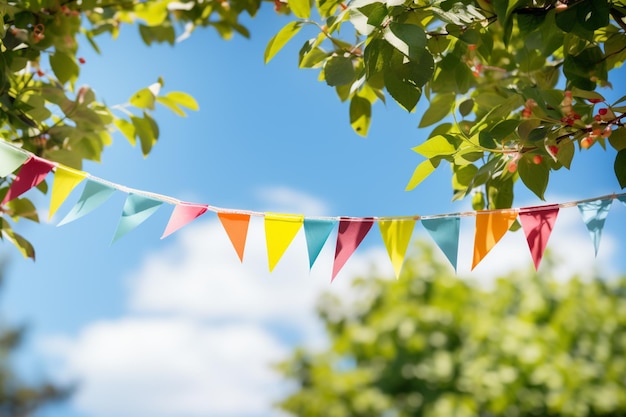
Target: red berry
(602, 111)
(537, 159)
(471, 47)
(512, 167)
(553, 149)
(595, 100)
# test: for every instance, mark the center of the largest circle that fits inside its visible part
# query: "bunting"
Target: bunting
(137, 209)
(594, 213)
(445, 232)
(351, 233)
(538, 223)
(490, 228)
(236, 226)
(183, 213)
(316, 232)
(396, 235)
(28, 170)
(65, 180)
(30, 175)
(280, 229)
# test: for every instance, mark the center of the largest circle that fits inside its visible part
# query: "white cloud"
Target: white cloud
(202, 328)
(171, 366)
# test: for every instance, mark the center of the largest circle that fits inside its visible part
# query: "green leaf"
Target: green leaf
(339, 70)
(64, 66)
(360, 114)
(376, 57)
(440, 145)
(439, 108)
(534, 176)
(24, 208)
(159, 34)
(620, 167)
(182, 99)
(405, 94)
(301, 8)
(170, 104)
(145, 133)
(406, 38)
(463, 176)
(23, 245)
(566, 152)
(618, 139)
(422, 171)
(143, 99)
(127, 129)
(280, 39)
(500, 192)
(466, 107)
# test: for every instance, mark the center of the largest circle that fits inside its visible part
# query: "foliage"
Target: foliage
(511, 84)
(431, 344)
(47, 114)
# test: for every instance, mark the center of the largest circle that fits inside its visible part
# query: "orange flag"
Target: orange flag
(236, 226)
(491, 226)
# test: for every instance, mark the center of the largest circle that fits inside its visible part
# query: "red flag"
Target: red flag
(538, 223)
(31, 174)
(351, 233)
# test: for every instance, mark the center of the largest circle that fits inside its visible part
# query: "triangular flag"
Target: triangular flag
(236, 226)
(538, 223)
(316, 232)
(280, 229)
(396, 235)
(32, 173)
(137, 208)
(351, 233)
(183, 213)
(94, 194)
(445, 233)
(594, 214)
(65, 180)
(10, 158)
(490, 228)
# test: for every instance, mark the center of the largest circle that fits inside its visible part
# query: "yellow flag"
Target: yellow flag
(280, 229)
(490, 228)
(396, 236)
(65, 180)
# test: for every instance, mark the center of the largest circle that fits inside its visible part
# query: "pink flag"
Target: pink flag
(538, 223)
(183, 213)
(32, 173)
(351, 233)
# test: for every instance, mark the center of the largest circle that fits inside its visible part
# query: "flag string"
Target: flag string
(537, 222)
(172, 200)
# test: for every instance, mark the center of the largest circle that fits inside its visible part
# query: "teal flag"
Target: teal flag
(316, 232)
(10, 158)
(594, 214)
(445, 233)
(94, 194)
(137, 209)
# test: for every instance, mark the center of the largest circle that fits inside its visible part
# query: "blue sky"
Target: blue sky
(178, 327)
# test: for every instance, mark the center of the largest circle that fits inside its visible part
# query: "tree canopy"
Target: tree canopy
(514, 87)
(431, 344)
